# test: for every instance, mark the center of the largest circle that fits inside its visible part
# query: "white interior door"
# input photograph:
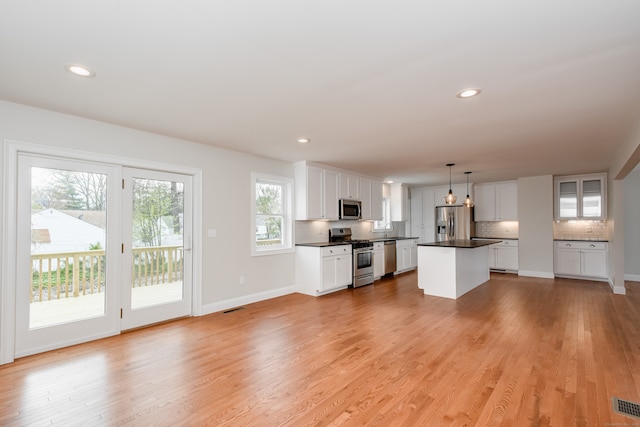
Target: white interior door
(67, 253)
(157, 261)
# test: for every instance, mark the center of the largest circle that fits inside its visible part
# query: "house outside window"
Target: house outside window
(272, 216)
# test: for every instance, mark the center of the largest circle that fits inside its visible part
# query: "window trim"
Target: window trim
(288, 225)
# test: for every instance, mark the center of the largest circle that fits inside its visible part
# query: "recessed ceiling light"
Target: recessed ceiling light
(468, 93)
(80, 70)
(304, 140)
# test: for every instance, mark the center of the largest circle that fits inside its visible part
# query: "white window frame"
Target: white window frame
(287, 223)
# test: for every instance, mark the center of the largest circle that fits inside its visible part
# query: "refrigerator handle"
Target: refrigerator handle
(451, 225)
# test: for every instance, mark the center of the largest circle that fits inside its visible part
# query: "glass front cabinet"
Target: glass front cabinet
(581, 197)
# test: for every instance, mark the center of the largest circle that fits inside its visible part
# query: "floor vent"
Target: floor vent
(231, 310)
(627, 408)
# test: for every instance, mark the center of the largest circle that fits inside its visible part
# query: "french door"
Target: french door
(100, 249)
(157, 247)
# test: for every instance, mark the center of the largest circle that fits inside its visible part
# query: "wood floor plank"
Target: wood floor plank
(515, 351)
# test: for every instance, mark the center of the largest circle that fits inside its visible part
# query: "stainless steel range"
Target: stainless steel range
(362, 255)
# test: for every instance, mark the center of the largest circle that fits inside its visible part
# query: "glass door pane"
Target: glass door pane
(568, 199)
(592, 198)
(68, 237)
(157, 249)
(158, 242)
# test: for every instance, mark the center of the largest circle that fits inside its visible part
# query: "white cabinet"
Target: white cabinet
(503, 256)
(496, 201)
(423, 214)
(316, 191)
(320, 270)
(581, 259)
(406, 255)
(376, 200)
(581, 197)
(336, 271)
(399, 202)
(349, 186)
(378, 260)
(365, 197)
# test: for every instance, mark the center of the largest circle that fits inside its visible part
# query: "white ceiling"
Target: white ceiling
(372, 83)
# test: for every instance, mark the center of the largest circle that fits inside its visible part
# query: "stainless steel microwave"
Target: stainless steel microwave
(350, 209)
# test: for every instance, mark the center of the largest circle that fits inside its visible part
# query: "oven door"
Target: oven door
(362, 262)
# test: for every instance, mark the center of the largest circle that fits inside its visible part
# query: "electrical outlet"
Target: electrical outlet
(212, 232)
(242, 280)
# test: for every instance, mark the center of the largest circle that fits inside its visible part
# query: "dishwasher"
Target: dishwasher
(389, 256)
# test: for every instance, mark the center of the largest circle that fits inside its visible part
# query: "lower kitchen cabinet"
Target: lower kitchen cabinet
(320, 270)
(378, 260)
(581, 259)
(406, 255)
(503, 256)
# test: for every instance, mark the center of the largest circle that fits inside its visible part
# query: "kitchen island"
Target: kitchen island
(451, 269)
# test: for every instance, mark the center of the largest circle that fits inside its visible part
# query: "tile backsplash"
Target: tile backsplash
(497, 229)
(580, 230)
(318, 231)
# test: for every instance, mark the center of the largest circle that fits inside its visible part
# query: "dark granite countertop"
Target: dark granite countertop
(461, 244)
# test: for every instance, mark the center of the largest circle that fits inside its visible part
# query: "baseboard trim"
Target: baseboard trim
(618, 290)
(632, 277)
(539, 274)
(246, 299)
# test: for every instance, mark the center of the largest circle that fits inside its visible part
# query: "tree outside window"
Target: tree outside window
(272, 214)
(269, 214)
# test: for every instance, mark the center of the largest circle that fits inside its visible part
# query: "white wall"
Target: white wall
(225, 195)
(535, 218)
(632, 225)
(625, 160)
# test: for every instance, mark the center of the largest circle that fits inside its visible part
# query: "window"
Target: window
(272, 205)
(385, 223)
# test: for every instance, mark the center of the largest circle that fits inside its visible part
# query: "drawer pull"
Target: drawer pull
(568, 245)
(592, 246)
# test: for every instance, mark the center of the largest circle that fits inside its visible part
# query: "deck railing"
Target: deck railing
(72, 274)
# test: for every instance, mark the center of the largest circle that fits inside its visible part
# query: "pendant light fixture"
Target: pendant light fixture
(450, 198)
(468, 202)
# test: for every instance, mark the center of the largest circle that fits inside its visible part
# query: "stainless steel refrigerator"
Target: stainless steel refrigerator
(454, 222)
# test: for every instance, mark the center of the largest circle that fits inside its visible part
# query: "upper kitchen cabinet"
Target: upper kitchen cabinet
(349, 187)
(581, 197)
(399, 202)
(316, 191)
(376, 200)
(497, 201)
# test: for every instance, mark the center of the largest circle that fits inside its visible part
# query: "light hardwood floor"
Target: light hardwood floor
(514, 352)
